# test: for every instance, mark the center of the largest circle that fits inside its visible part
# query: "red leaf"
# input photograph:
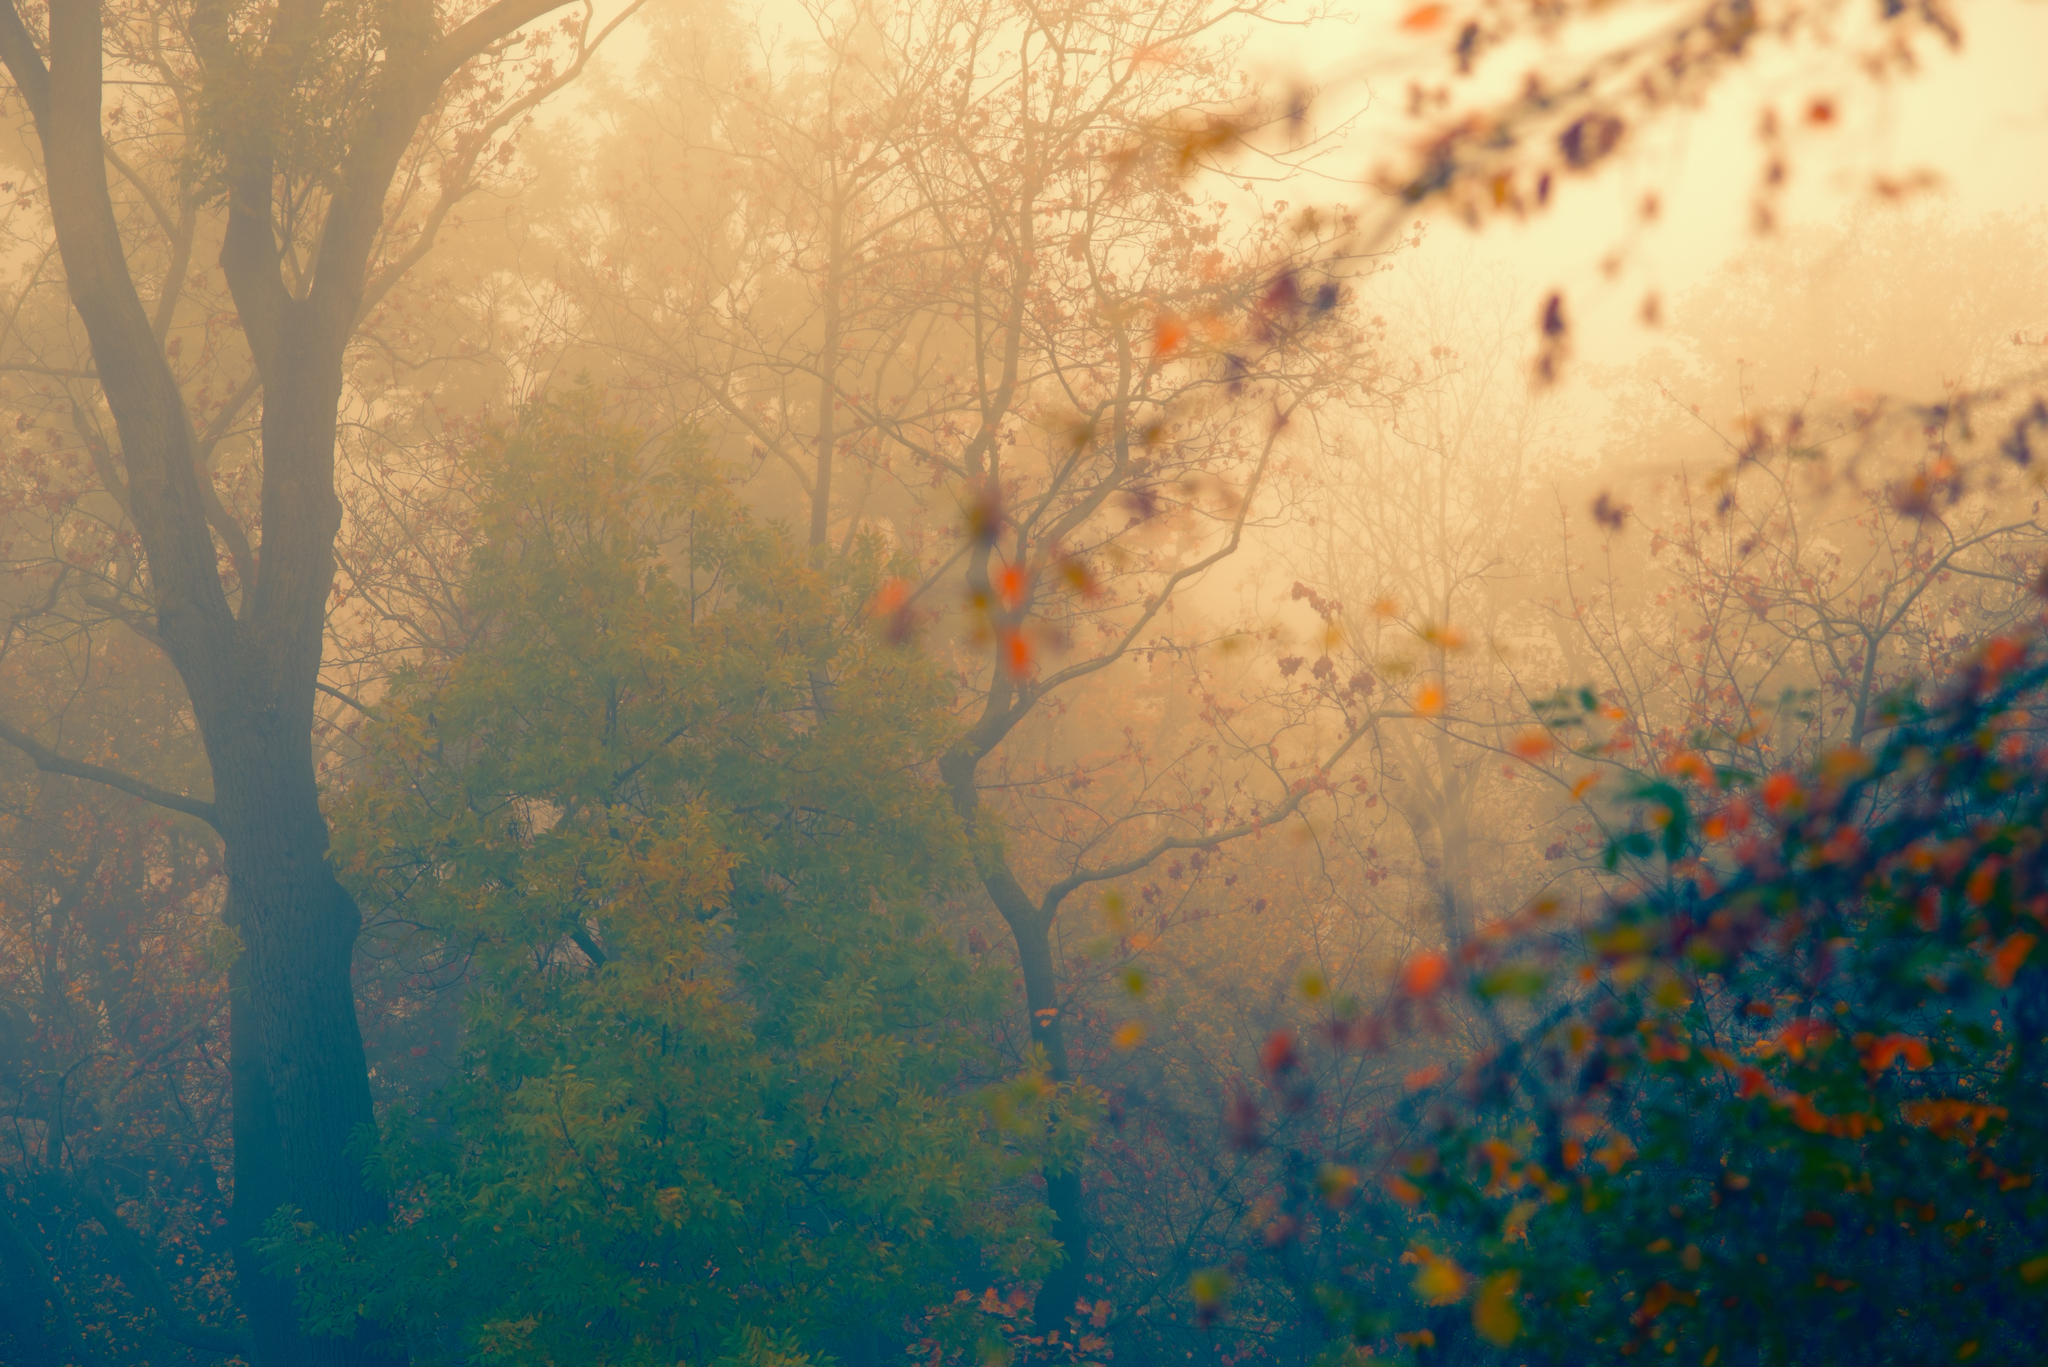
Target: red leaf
(1783, 794)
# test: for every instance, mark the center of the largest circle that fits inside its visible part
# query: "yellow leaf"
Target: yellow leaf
(1337, 1183)
(1494, 1316)
(1439, 1281)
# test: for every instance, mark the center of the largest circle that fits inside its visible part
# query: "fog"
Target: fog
(974, 683)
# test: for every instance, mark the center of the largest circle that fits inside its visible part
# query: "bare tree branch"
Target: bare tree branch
(50, 762)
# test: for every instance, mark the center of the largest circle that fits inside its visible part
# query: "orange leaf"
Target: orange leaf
(1169, 335)
(1690, 764)
(1579, 788)
(1010, 583)
(1404, 1191)
(2002, 653)
(1878, 1054)
(1661, 1297)
(1845, 762)
(1799, 1036)
(891, 597)
(1439, 1281)
(2011, 954)
(1615, 1154)
(1423, 18)
(1277, 1055)
(1430, 701)
(1129, 1035)
(1447, 639)
(1532, 745)
(1425, 974)
(1423, 1077)
(1983, 882)
(1016, 654)
(1947, 1115)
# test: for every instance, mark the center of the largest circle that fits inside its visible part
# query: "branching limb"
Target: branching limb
(50, 762)
(1081, 877)
(331, 691)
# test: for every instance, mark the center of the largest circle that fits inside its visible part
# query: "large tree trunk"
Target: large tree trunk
(301, 1090)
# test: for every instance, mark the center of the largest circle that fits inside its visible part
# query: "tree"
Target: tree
(1494, 144)
(1024, 314)
(1417, 566)
(1124, 379)
(304, 138)
(717, 1074)
(782, 291)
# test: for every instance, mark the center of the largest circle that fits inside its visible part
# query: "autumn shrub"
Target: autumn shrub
(1780, 1100)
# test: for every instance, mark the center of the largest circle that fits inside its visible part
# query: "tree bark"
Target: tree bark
(261, 1182)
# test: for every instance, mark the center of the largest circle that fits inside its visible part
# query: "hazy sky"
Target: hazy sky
(1978, 117)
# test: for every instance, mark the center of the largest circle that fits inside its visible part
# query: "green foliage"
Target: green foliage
(720, 1096)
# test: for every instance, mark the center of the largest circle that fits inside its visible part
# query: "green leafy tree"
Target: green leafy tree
(720, 1075)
